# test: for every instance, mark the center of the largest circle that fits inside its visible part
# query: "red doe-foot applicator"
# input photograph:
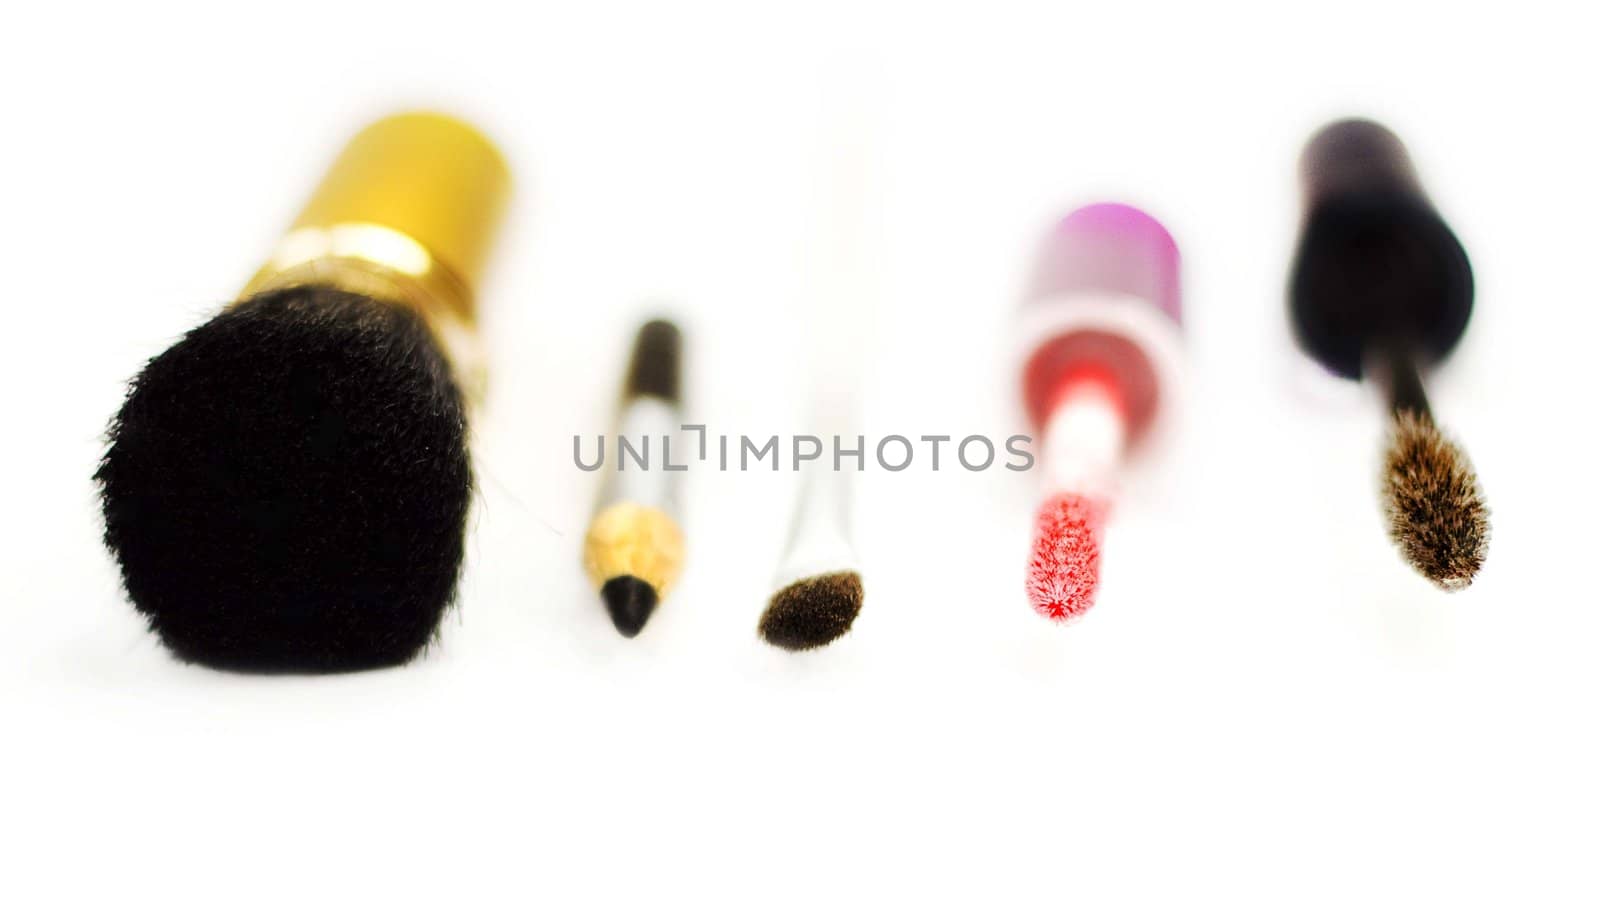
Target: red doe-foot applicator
(1100, 334)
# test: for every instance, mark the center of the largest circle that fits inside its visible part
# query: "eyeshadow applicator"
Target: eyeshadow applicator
(818, 588)
(1100, 375)
(819, 591)
(1381, 290)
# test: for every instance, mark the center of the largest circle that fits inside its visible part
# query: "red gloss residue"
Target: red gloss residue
(1064, 571)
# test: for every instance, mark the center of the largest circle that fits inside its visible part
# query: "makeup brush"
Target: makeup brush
(633, 551)
(286, 487)
(1381, 289)
(819, 589)
(1100, 343)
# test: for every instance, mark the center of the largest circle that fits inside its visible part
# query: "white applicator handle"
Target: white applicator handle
(646, 423)
(841, 316)
(1084, 441)
(820, 540)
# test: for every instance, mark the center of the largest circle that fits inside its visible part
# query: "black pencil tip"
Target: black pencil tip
(630, 601)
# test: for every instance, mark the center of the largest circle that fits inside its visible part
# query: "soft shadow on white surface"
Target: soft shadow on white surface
(1265, 698)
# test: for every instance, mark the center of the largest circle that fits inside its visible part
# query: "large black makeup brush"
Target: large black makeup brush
(286, 488)
(1381, 290)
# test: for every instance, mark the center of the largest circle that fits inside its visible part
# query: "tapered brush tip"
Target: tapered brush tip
(811, 612)
(630, 601)
(1064, 571)
(656, 368)
(1435, 508)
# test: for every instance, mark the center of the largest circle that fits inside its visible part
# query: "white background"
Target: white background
(1266, 699)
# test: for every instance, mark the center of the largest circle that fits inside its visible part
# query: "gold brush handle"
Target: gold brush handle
(407, 213)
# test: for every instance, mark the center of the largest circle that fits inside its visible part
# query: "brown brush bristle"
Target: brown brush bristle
(811, 612)
(656, 369)
(1436, 513)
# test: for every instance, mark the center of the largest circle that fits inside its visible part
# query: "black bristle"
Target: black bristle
(630, 601)
(655, 368)
(286, 488)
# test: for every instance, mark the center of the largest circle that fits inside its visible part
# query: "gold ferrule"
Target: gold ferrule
(406, 214)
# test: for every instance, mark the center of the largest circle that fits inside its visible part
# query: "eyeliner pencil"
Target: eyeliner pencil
(633, 551)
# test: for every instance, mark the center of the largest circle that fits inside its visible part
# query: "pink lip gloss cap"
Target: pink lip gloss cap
(1111, 248)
